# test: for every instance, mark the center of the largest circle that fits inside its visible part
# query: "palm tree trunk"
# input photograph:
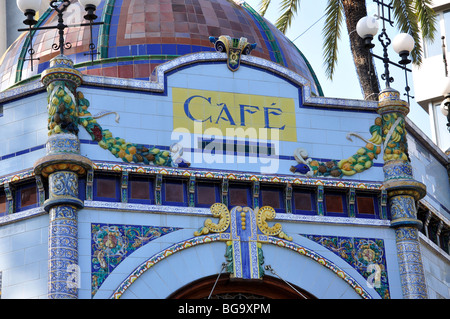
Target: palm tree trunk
(365, 68)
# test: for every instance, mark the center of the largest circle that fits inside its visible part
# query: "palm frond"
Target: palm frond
(332, 33)
(263, 6)
(426, 18)
(407, 21)
(288, 9)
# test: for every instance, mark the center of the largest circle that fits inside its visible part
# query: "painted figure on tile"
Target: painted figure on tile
(113, 243)
(357, 163)
(365, 255)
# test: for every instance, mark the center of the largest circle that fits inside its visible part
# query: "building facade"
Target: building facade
(434, 69)
(196, 156)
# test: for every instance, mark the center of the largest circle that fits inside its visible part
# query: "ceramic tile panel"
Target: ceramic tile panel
(111, 243)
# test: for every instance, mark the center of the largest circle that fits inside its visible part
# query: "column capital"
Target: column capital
(61, 69)
(399, 180)
(389, 101)
(63, 153)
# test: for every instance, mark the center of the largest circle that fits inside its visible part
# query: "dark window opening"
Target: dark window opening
(335, 204)
(174, 193)
(239, 195)
(26, 196)
(2, 203)
(273, 197)
(140, 190)
(106, 188)
(207, 194)
(365, 205)
(303, 202)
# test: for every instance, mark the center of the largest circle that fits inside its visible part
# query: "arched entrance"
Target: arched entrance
(232, 288)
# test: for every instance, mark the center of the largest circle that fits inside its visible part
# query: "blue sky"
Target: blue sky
(306, 33)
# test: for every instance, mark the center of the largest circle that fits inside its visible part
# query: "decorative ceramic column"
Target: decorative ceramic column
(403, 192)
(62, 165)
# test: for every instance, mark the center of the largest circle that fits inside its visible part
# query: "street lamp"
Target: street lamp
(90, 6)
(30, 7)
(403, 44)
(367, 28)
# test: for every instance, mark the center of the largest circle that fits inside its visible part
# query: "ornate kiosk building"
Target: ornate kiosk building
(196, 156)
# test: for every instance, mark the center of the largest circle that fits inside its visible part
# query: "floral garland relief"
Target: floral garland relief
(357, 163)
(68, 108)
(128, 152)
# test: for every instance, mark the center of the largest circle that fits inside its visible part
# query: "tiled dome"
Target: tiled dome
(138, 35)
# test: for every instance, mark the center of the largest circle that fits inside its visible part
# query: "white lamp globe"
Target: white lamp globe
(445, 88)
(367, 26)
(444, 108)
(85, 3)
(403, 42)
(25, 5)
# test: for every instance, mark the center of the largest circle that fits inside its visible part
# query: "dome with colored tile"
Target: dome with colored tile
(138, 35)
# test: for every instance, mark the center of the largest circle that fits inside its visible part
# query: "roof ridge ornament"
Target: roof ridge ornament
(234, 47)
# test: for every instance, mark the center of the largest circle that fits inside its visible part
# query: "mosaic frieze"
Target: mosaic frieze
(111, 244)
(366, 255)
(241, 176)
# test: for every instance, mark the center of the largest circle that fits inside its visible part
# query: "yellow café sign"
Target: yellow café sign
(225, 111)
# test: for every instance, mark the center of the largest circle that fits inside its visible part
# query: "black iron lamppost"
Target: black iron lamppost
(402, 190)
(30, 7)
(403, 43)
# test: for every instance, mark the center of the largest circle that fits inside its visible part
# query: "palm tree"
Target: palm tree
(409, 16)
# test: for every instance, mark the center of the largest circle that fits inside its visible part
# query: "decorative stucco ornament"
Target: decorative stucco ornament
(244, 230)
(234, 47)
